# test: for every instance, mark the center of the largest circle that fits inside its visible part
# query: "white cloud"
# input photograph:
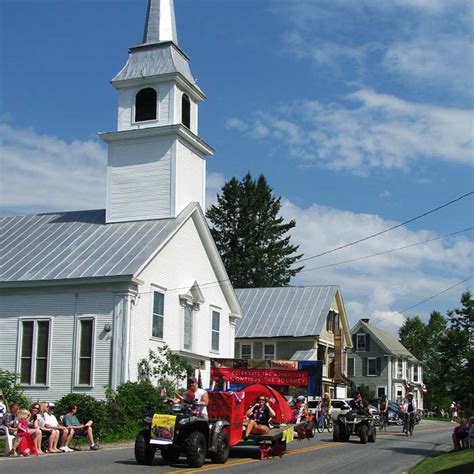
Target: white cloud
(370, 130)
(377, 287)
(44, 173)
(234, 123)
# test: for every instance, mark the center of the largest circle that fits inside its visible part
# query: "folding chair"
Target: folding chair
(7, 439)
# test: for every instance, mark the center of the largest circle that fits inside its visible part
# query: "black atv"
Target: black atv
(356, 424)
(189, 434)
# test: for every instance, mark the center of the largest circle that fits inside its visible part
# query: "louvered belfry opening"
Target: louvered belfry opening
(145, 105)
(186, 111)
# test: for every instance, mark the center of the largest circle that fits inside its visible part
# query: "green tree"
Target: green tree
(166, 367)
(459, 351)
(9, 389)
(251, 237)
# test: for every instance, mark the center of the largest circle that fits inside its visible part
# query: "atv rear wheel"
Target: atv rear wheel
(363, 434)
(144, 452)
(221, 453)
(170, 454)
(196, 449)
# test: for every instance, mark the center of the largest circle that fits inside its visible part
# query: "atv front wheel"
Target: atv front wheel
(373, 435)
(336, 433)
(221, 453)
(144, 452)
(195, 449)
(363, 434)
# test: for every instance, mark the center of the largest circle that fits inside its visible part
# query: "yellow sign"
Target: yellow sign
(288, 435)
(162, 429)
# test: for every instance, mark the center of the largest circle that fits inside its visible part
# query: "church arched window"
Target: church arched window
(186, 111)
(145, 105)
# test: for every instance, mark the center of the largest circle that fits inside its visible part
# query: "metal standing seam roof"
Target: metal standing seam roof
(285, 311)
(310, 354)
(154, 60)
(78, 244)
(391, 343)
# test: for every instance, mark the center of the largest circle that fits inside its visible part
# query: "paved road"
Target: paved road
(392, 453)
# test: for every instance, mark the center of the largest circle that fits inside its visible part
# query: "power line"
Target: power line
(387, 230)
(386, 251)
(434, 296)
(210, 284)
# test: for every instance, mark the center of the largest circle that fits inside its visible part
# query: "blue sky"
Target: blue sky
(358, 113)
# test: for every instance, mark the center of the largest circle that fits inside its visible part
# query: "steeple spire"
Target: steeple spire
(160, 22)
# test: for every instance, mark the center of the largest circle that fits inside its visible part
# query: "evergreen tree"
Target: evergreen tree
(251, 237)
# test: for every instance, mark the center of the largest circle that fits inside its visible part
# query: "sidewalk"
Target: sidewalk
(82, 448)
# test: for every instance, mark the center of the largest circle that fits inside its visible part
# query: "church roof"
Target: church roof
(286, 311)
(78, 244)
(156, 59)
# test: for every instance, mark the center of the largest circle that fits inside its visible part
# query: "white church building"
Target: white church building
(84, 295)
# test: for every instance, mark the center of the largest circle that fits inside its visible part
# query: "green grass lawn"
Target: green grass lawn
(455, 461)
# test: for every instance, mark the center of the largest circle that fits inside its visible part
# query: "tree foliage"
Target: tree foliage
(165, 367)
(251, 237)
(444, 346)
(11, 391)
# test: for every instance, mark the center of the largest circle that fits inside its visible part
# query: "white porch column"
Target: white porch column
(389, 379)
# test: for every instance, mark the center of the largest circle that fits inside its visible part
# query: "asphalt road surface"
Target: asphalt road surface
(393, 452)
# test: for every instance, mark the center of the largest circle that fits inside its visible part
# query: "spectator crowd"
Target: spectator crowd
(38, 430)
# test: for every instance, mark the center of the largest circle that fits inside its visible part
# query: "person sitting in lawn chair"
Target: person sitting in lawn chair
(71, 421)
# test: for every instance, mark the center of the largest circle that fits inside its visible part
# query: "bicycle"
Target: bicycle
(324, 423)
(382, 422)
(408, 424)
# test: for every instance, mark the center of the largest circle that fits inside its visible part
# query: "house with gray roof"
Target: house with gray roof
(84, 295)
(298, 323)
(380, 361)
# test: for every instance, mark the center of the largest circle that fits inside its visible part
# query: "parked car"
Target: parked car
(313, 406)
(339, 407)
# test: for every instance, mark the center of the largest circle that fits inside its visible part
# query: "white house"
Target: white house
(84, 295)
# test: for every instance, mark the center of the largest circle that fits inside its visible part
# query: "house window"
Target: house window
(186, 111)
(145, 105)
(158, 314)
(361, 343)
(34, 355)
(245, 351)
(86, 341)
(188, 328)
(216, 327)
(380, 391)
(269, 351)
(372, 366)
(407, 371)
(399, 369)
(350, 366)
(415, 373)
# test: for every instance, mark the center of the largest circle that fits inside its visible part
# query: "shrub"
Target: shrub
(88, 408)
(136, 399)
(11, 391)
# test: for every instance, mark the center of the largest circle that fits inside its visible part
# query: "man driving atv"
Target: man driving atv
(359, 405)
(197, 395)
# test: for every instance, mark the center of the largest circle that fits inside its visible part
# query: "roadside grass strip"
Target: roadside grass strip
(456, 461)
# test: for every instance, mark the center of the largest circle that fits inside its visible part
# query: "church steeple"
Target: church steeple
(156, 162)
(160, 22)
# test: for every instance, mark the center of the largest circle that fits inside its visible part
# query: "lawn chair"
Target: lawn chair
(76, 439)
(7, 439)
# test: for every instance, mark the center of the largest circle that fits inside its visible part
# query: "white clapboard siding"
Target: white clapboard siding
(139, 180)
(63, 308)
(181, 262)
(190, 178)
